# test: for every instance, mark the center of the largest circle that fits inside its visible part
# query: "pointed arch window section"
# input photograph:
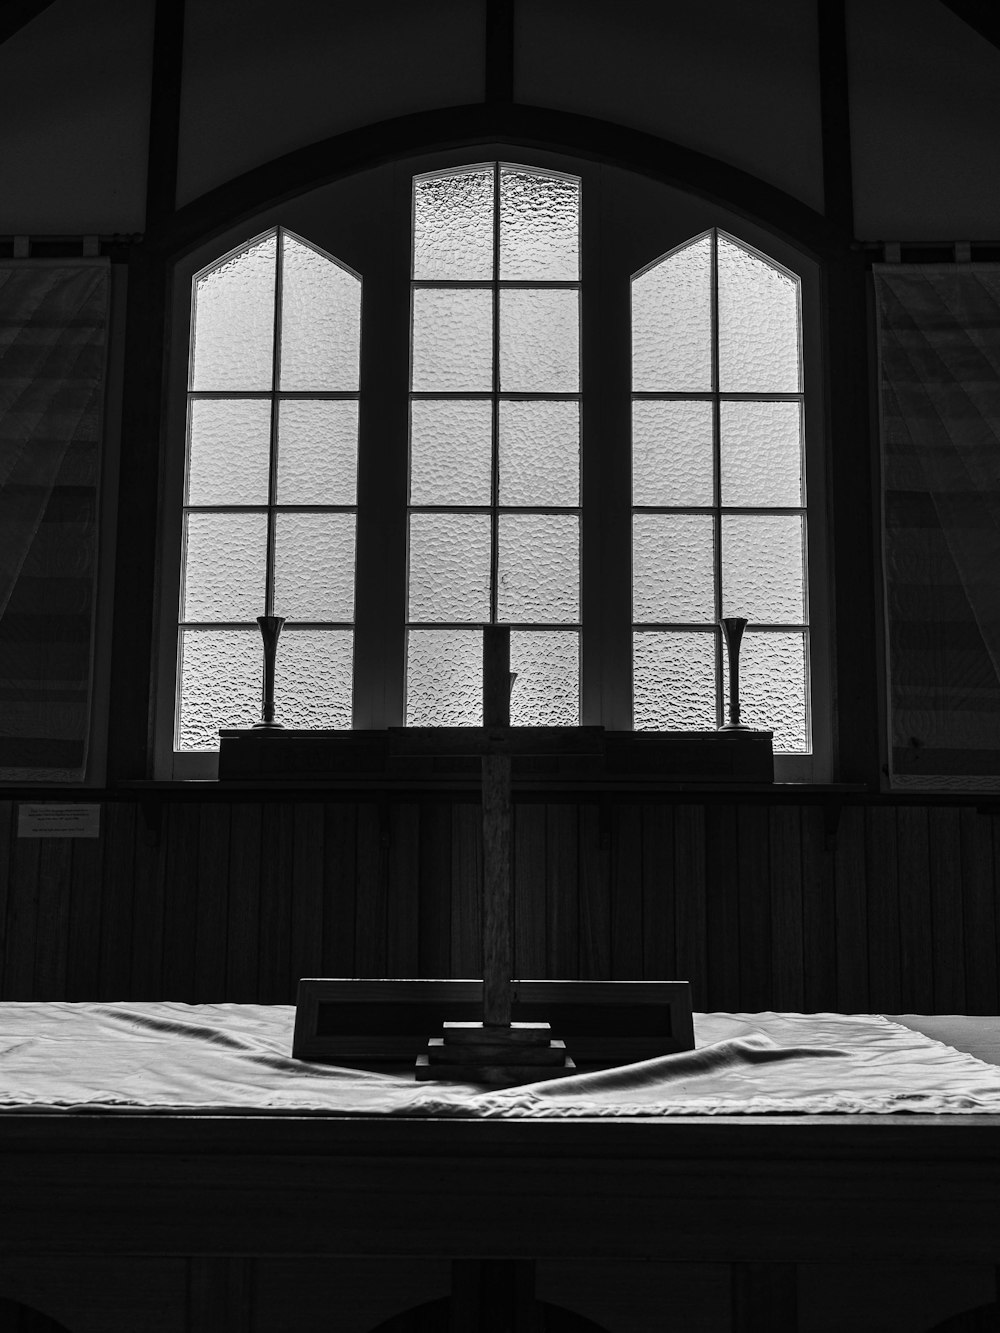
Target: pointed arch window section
(718, 489)
(494, 472)
(270, 493)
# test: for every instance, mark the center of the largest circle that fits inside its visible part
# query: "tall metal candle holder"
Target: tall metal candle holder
(270, 629)
(732, 631)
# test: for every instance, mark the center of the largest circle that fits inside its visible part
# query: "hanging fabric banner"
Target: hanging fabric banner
(939, 392)
(53, 327)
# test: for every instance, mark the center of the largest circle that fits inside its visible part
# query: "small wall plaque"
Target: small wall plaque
(54, 820)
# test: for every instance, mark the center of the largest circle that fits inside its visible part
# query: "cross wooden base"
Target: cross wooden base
(501, 1056)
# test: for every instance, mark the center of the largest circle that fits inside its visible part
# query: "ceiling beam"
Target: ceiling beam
(16, 14)
(982, 15)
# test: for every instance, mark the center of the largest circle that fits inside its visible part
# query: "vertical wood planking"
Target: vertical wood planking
(947, 944)
(562, 892)
(883, 908)
(659, 946)
(722, 908)
(787, 957)
(53, 933)
(370, 918)
(755, 926)
(403, 890)
(118, 820)
(307, 892)
(690, 871)
(22, 917)
(595, 892)
(84, 890)
(275, 983)
(212, 913)
(243, 907)
(181, 822)
(340, 819)
(978, 894)
(820, 829)
(147, 911)
(916, 980)
(850, 896)
(437, 922)
(467, 889)
(529, 890)
(626, 892)
(8, 813)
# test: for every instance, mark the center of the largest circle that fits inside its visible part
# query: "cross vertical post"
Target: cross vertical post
(498, 951)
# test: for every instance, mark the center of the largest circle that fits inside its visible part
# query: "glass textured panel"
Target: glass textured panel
(313, 677)
(540, 341)
(539, 568)
(773, 688)
(224, 557)
(761, 453)
(317, 452)
(452, 340)
(539, 453)
(229, 447)
(450, 451)
(674, 681)
(671, 452)
(233, 321)
(672, 323)
(453, 226)
(314, 566)
(762, 568)
(320, 321)
(220, 684)
(444, 678)
(546, 692)
(672, 568)
(449, 575)
(758, 324)
(539, 227)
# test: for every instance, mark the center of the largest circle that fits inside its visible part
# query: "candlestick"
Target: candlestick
(270, 629)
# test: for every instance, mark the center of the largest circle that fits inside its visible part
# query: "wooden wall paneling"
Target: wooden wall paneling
(220, 1293)
(403, 890)
(787, 956)
(434, 946)
(690, 872)
(118, 892)
(85, 892)
(277, 859)
(754, 890)
(370, 912)
(8, 813)
(722, 907)
(594, 863)
(851, 906)
(562, 892)
(340, 819)
(22, 917)
(916, 972)
(307, 892)
(945, 873)
(181, 823)
(212, 911)
(52, 931)
(820, 828)
(150, 868)
(979, 912)
(530, 951)
(243, 907)
(626, 892)
(883, 908)
(659, 945)
(467, 889)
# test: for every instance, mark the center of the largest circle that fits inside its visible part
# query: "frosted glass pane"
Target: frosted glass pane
(539, 568)
(672, 323)
(546, 692)
(320, 321)
(220, 673)
(673, 568)
(449, 577)
(452, 340)
(444, 678)
(671, 452)
(453, 226)
(761, 453)
(450, 451)
(317, 452)
(229, 448)
(773, 688)
(673, 681)
(762, 568)
(539, 227)
(313, 678)
(314, 566)
(233, 321)
(540, 341)
(758, 324)
(224, 559)
(539, 453)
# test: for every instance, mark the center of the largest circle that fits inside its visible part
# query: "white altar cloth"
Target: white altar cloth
(233, 1059)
